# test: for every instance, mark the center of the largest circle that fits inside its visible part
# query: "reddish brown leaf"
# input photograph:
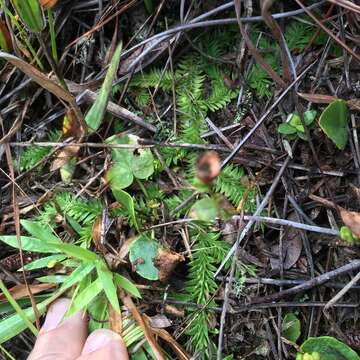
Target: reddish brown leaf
(318, 98)
(356, 191)
(63, 156)
(115, 320)
(96, 234)
(208, 166)
(21, 291)
(48, 4)
(166, 262)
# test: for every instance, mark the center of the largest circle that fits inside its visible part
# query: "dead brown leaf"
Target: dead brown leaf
(6, 35)
(21, 291)
(356, 191)
(318, 98)
(159, 321)
(166, 261)
(64, 155)
(48, 4)
(115, 320)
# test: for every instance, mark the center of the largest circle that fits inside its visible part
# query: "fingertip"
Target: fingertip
(105, 342)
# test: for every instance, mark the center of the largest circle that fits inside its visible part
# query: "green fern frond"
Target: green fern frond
(33, 154)
(82, 211)
(259, 81)
(229, 183)
(154, 78)
(298, 35)
(142, 98)
(208, 250)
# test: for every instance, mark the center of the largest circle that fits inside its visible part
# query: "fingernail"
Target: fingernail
(99, 339)
(55, 314)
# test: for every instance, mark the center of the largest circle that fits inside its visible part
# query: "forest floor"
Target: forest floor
(195, 165)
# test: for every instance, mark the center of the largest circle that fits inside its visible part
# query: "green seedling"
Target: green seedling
(347, 235)
(294, 127)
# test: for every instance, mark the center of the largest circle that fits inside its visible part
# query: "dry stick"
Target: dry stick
(343, 291)
(258, 211)
(18, 234)
(263, 117)
(342, 44)
(319, 280)
(254, 52)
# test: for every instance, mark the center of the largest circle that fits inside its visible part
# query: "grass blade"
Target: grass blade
(96, 113)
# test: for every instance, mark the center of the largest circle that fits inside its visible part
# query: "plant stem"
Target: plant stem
(52, 36)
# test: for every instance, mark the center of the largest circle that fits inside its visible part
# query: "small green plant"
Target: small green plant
(294, 127)
(90, 274)
(333, 121)
(347, 235)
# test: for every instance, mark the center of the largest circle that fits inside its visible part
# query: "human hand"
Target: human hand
(68, 340)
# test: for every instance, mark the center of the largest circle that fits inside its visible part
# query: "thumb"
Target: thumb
(104, 344)
(59, 340)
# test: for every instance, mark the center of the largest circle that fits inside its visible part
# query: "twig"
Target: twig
(319, 280)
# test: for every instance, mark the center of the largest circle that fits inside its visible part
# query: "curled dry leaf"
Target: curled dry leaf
(159, 321)
(356, 191)
(97, 234)
(63, 156)
(208, 166)
(166, 262)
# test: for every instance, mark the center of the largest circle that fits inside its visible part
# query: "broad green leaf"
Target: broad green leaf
(47, 261)
(295, 120)
(106, 278)
(29, 244)
(309, 117)
(205, 209)
(119, 176)
(127, 285)
(96, 113)
(85, 297)
(30, 13)
(55, 279)
(142, 254)
(142, 163)
(126, 200)
(291, 327)
(76, 252)
(286, 129)
(128, 163)
(329, 348)
(40, 231)
(333, 121)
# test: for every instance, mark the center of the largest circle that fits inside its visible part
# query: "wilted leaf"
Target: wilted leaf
(329, 348)
(143, 251)
(208, 166)
(318, 98)
(97, 111)
(20, 291)
(291, 327)
(333, 121)
(166, 261)
(160, 321)
(64, 156)
(38, 77)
